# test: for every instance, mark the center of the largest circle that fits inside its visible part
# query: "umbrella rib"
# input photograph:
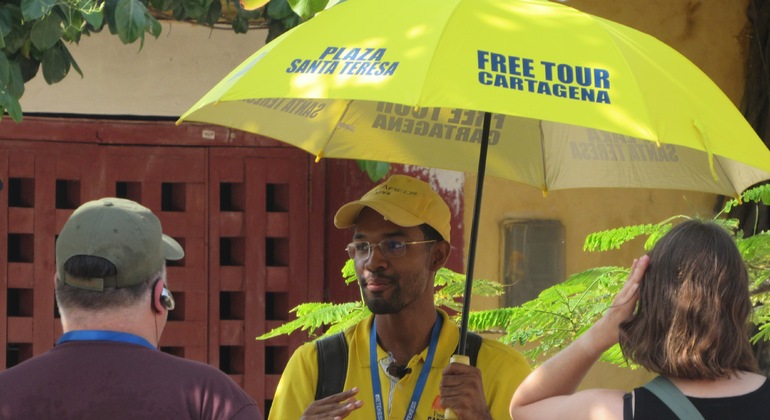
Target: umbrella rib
(440, 39)
(542, 159)
(320, 154)
(611, 35)
(718, 164)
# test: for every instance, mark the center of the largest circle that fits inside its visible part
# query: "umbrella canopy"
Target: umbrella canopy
(556, 97)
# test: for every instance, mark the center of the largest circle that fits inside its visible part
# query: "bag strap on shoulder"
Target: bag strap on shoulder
(332, 365)
(673, 398)
(628, 409)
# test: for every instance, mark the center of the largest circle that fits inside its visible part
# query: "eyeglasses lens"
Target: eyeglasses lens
(388, 247)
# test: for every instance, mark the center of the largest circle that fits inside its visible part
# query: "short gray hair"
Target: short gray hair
(86, 267)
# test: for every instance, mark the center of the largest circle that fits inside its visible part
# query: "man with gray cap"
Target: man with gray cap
(112, 296)
(398, 360)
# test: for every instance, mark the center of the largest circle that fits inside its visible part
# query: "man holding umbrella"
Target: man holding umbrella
(399, 358)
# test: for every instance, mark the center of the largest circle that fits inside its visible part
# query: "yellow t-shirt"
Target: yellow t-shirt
(502, 370)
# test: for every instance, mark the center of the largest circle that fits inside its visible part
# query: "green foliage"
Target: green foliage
(338, 317)
(307, 8)
(613, 238)
(562, 312)
(760, 194)
(314, 315)
(558, 315)
(376, 170)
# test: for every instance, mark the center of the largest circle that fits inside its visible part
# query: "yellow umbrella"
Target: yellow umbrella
(558, 97)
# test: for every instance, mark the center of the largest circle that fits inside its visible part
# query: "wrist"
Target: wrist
(597, 340)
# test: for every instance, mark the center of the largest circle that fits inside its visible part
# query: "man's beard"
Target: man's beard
(381, 305)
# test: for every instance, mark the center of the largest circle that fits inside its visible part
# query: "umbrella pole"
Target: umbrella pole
(474, 230)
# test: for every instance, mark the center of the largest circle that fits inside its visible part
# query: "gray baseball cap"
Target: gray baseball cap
(121, 231)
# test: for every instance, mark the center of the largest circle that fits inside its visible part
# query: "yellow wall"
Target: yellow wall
(710, 33)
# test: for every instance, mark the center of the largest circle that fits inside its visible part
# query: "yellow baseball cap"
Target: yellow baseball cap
(403, 200)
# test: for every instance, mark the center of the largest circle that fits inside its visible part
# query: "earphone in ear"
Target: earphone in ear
(167, 299)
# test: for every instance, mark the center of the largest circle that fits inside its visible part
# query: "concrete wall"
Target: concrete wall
(165, 78)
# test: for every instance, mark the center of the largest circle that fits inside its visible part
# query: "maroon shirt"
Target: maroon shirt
(115, 380)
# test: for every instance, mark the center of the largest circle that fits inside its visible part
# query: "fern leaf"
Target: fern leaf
(613, 238)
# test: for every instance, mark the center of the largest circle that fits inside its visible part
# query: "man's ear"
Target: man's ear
(157, 290)
(440, 255)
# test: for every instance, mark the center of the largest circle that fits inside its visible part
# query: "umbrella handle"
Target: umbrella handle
(462, 359)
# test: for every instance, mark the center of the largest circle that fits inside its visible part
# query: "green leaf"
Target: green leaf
(10, 104)
(613, 238)
(279, 9)
(252, 4)
(6, 19)
(94, 16)
(17, 78)
(47, 32)
(27, 67)
(130, 20)
(314, 315)
(110, 6)
(290, 21)
(36, 9)
(240, 24)
(213, 14)
(5, 71)
(17, 35)
(72, 60)
(196, 8)
(55, 64)
(307, 8)
(376, 170)
(349, 272)
(73, 28)
(14, 42)
(154, 27)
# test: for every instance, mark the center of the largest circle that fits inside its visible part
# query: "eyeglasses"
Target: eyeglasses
(389, 248)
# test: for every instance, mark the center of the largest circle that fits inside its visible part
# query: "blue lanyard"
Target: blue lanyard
(424, 372)
(99, 335)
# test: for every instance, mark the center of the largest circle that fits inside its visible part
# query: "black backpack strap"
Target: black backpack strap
(332, 354)
(472, 346)
(673, 397)
(332, 365)
(628, 409)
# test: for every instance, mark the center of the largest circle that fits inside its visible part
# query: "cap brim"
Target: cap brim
(346, 216)
(171, 249)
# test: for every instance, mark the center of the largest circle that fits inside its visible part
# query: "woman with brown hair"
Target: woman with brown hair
(691, 327)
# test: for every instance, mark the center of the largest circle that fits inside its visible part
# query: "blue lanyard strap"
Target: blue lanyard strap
(421, 380)
(100, 335)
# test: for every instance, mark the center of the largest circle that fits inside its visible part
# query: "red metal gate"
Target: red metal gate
(250, 221)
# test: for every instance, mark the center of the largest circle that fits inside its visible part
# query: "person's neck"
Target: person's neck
(406, 333)
(131, 323)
